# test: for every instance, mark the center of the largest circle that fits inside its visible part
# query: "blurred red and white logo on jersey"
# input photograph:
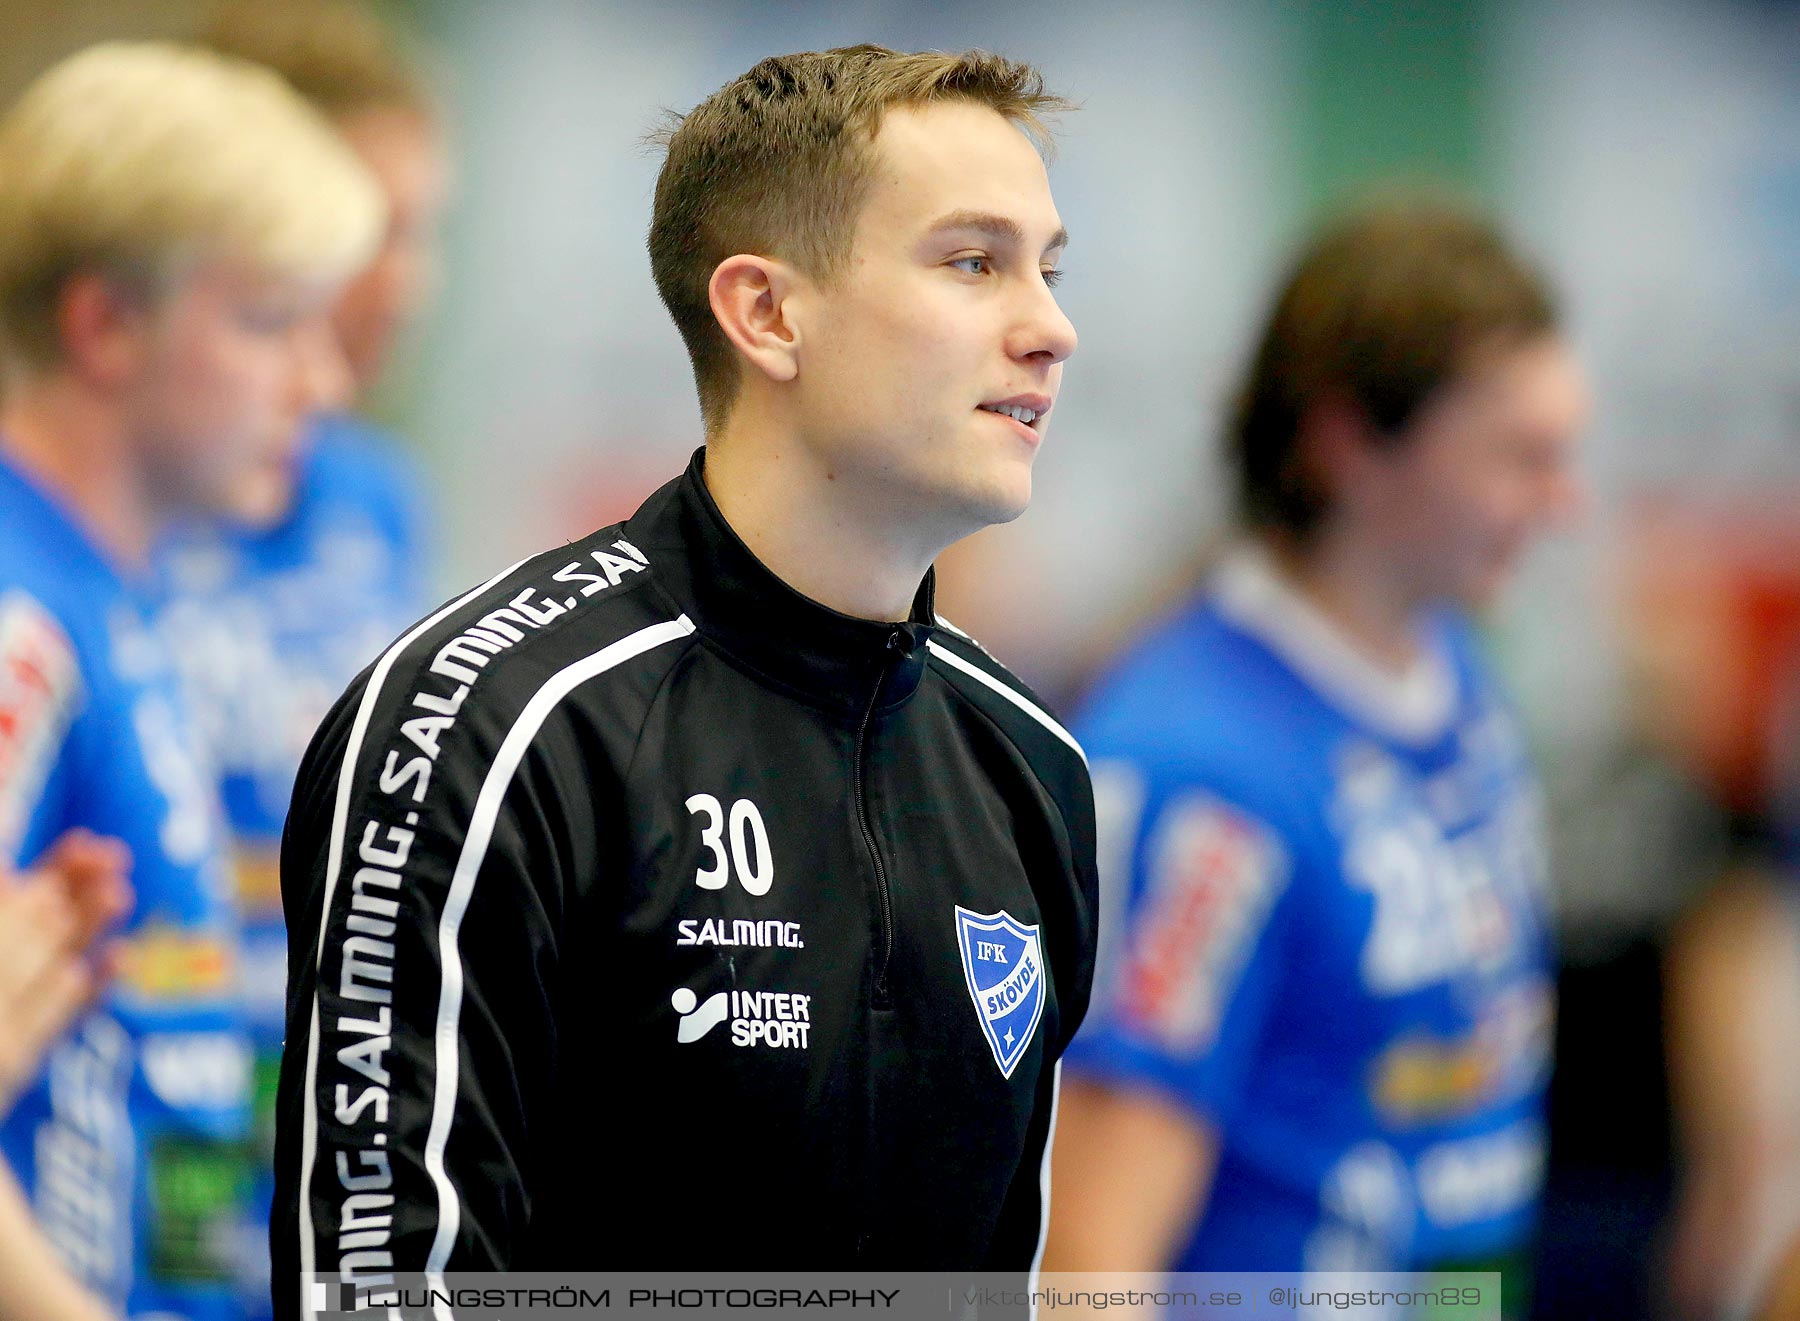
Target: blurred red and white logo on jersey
(39, 682)
(1214, 875)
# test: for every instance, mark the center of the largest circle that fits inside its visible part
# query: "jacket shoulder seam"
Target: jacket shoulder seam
(1006, 686)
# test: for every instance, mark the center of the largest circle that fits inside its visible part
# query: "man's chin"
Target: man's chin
(1001, 502)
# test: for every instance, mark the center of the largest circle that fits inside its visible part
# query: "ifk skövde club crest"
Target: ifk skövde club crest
(1003, 963)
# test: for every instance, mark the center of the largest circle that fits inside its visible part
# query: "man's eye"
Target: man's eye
(1053, 277)
(973, 265)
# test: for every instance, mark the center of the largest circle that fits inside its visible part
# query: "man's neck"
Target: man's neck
(1358, 592)
(74, 446)
(832, 544)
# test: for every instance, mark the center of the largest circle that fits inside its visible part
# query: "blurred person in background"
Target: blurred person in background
(1782, 1300)
(52, 964)
(1732, 1020)
(1324, 1040)
(52, 920)
(173, 226)
(268, 622)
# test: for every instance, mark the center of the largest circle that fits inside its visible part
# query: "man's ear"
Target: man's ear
(750, 297)
(101, 328)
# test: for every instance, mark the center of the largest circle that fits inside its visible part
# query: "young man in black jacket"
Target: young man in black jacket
(693, 896)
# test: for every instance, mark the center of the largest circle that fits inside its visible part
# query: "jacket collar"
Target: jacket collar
(825, 658)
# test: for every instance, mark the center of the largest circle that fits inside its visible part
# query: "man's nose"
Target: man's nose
(1044, 332)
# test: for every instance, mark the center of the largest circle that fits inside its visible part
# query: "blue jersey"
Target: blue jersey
(131, 1142)
(267, 629)
(1327, 940)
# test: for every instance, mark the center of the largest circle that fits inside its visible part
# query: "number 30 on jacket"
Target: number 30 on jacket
(750, 857)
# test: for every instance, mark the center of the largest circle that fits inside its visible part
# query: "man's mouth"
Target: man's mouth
(1018, 412)
(1021, 408)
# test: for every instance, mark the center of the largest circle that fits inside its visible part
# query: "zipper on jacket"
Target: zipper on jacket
(884, 900)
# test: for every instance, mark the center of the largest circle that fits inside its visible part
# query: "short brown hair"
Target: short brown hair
(777, 162)
(1382, 309)
(338, 55)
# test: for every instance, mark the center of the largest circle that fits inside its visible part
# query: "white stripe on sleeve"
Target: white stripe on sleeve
(1018, 699)
(309, 1132)
(462, 886)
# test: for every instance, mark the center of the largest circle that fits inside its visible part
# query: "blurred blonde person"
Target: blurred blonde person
(173, 228)
(269, 621)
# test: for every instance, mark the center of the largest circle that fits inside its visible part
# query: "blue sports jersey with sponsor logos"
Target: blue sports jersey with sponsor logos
(267, 628)
(131, 1142)
(1327, 935)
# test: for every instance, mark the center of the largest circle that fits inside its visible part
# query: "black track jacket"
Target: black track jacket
(644, 913)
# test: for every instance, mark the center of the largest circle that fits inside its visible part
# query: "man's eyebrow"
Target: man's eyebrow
(1002, 229)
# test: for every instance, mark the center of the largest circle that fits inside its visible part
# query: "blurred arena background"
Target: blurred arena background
(1646, 152)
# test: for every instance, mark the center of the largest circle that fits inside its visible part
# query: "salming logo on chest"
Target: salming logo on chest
(734, 850)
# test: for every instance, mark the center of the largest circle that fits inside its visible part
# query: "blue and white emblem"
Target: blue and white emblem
(1003, 962)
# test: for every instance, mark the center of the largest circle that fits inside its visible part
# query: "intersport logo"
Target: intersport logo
(777, 1020)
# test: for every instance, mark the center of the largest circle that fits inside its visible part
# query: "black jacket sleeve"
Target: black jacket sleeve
(422, 891)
